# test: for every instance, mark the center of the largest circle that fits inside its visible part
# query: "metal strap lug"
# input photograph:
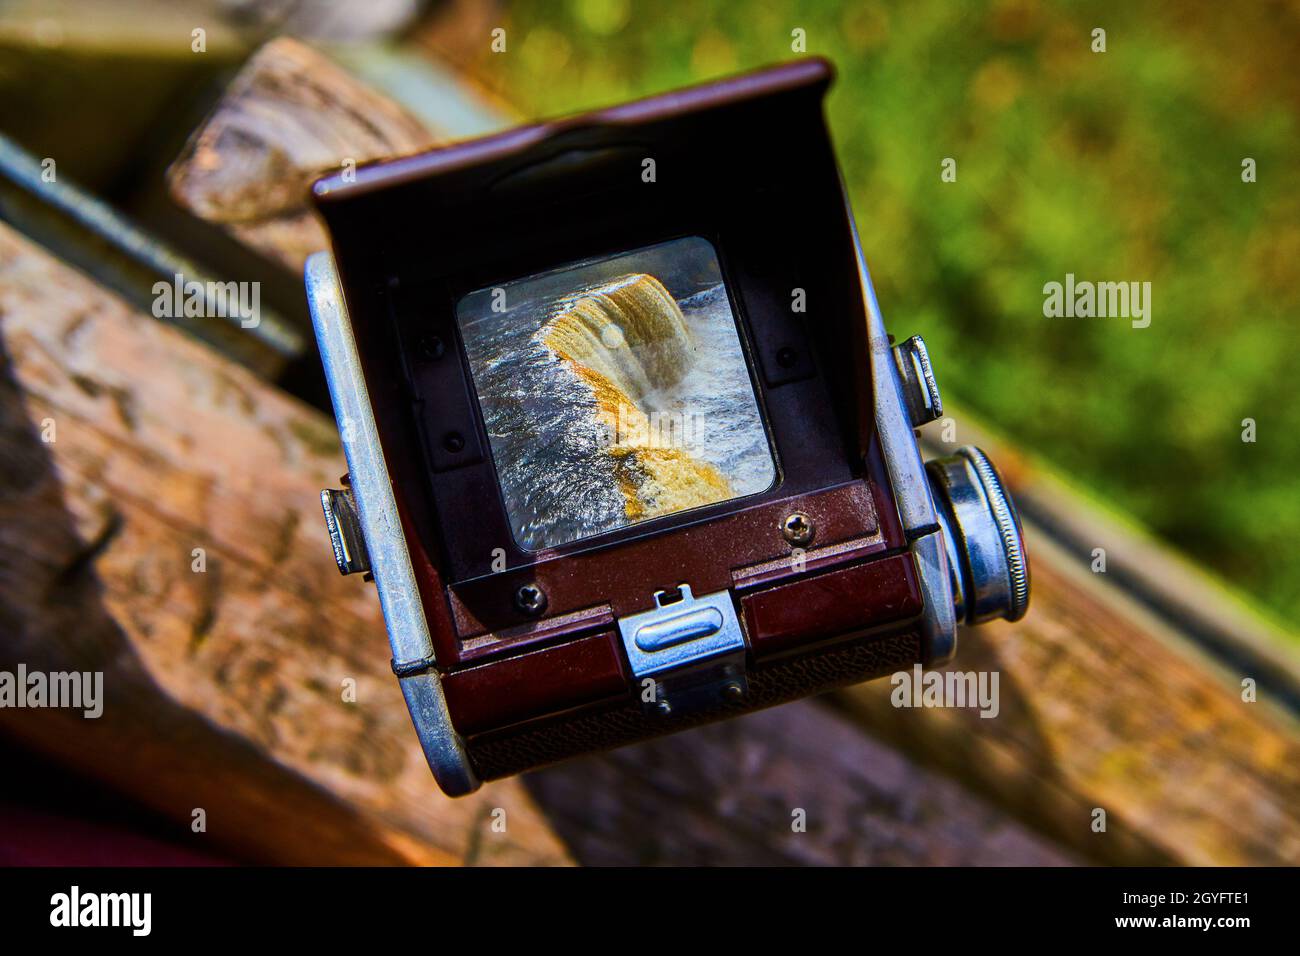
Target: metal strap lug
(343, 522)
(920, 391)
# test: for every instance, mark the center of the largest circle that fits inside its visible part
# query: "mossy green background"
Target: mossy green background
(1117, 166)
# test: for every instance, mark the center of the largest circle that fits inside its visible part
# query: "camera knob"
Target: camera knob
(981, 533)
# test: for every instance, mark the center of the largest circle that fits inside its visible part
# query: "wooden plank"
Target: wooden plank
(1201, 608)
(1109, 700)
(223, 689)
(91, 235)
(88, 82)
(290, 116)
(795, 785)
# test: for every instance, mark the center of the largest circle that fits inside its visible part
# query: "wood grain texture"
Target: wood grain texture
(224, 689)
(290, 116)
(1103, 705)
(737, 793)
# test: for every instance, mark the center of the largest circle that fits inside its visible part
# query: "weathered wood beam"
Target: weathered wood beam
(1110, 699)
(159, 524)
(795, 785)
(290, 116)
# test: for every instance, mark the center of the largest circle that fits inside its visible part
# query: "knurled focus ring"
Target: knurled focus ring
(1004, 514)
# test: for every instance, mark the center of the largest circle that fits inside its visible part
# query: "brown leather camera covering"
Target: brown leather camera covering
(621, 722)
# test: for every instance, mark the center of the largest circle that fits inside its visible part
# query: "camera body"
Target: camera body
(517, 332)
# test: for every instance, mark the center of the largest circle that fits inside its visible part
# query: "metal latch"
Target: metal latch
(343, 522)
(692, 647)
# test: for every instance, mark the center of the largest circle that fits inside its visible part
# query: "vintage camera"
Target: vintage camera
(629, 448)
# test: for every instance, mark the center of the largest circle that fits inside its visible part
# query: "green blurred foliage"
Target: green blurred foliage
(1123, 165)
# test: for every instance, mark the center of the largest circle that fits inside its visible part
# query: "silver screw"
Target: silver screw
(531, 599)
(797, 528)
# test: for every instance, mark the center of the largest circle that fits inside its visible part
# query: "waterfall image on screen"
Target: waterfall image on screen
(615, 391)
